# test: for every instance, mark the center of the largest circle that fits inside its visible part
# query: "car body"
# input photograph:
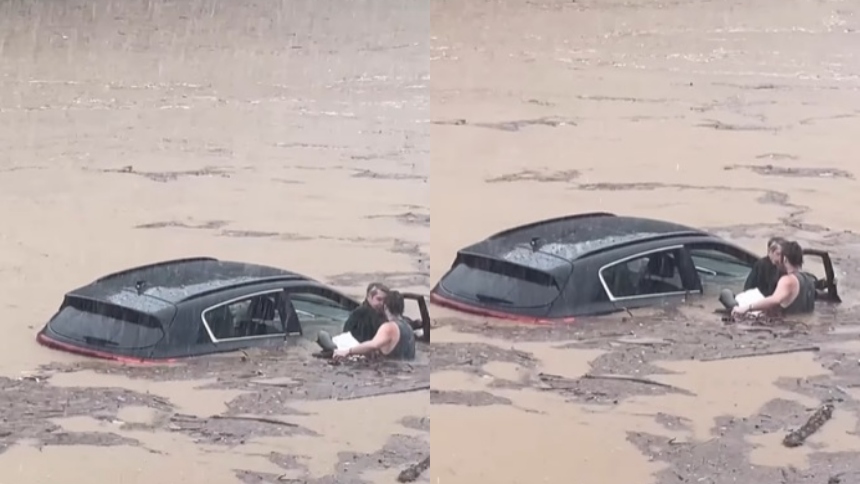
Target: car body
(195, 306)
(555, 270)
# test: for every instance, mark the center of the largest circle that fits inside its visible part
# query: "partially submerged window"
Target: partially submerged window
(252, 317)
(106, 325)
(652, 274)
(719, 262)
(499, 283)
(313, 307)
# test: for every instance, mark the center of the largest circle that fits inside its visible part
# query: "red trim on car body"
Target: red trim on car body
(49, 342)
(468, 308)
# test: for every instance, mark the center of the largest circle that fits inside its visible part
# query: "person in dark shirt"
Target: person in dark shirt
(395, 339)
(366, 319)
(764, 275)
(766, 271)
(363, 322)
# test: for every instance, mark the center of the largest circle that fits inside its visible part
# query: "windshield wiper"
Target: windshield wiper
(492, 299)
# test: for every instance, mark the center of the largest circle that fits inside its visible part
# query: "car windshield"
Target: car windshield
(106, 325)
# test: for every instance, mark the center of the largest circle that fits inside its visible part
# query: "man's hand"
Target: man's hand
(340, 354)
(740, 311)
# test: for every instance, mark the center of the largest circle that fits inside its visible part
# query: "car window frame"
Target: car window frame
(234, 300)
(680, 248)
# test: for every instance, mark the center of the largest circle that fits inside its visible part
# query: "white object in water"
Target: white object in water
(748, 297)
(345, 341)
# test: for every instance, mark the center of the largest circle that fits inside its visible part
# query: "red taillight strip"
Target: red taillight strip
(54, 344)
(468, 308)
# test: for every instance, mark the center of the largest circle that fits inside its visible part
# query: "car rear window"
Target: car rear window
(497, 283)
(106, 325)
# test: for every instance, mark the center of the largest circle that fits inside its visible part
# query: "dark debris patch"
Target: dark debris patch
(537, 176)
(230, 430)
(29, 404)
(97, 439)
(467, 399)
(517, 125)
(399, 452)
(772, 170)
(250, 234)
(169, 176)
(205, 225)
(416, 423)
(721, 126)
(626, 99)
(776, 156)
(512, 126)
(388, 176)
(407, 218)
(472, 356)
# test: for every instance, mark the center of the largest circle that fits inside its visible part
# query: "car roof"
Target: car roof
(572, 237)
(174, 281)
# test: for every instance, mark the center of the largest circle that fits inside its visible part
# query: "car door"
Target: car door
(826, 274)
(650, 278)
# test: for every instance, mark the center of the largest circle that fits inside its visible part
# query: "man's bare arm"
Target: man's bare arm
(383, 336)
(782, 293)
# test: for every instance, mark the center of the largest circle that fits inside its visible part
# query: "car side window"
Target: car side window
(320, 307)
(649, 275)
(714, 261)
(255, 316)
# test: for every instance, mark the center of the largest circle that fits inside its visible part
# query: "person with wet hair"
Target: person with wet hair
(795, 290)
(764, 275)
(395, 339)
(363, 322)
(366, 319)
(766, 271)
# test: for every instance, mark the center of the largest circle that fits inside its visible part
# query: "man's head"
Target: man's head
(376, 292)
(394, 304)
(774, 249)
(792, 255)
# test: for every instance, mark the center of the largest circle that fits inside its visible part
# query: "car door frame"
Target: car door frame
(686, 269)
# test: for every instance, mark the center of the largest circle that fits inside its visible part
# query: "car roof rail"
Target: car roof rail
(643, 240)
(577, 216)
(253, 282)
(154, 265)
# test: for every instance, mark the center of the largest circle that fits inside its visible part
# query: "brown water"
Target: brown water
(737, 115)
(289, 133)
(296, 134)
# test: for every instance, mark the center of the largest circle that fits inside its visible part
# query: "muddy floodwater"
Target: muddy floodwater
(288, 133)
(735, 116)
(298, 134)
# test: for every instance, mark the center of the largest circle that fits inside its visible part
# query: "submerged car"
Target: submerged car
(555, 270)
(197, 306)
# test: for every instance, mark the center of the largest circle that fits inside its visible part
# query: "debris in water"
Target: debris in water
(386, 392)
(763, 353)
(635, 379)
(797, 437)
(413, 472)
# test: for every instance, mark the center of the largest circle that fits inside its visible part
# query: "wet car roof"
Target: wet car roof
(175, 281)
(565, 239)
